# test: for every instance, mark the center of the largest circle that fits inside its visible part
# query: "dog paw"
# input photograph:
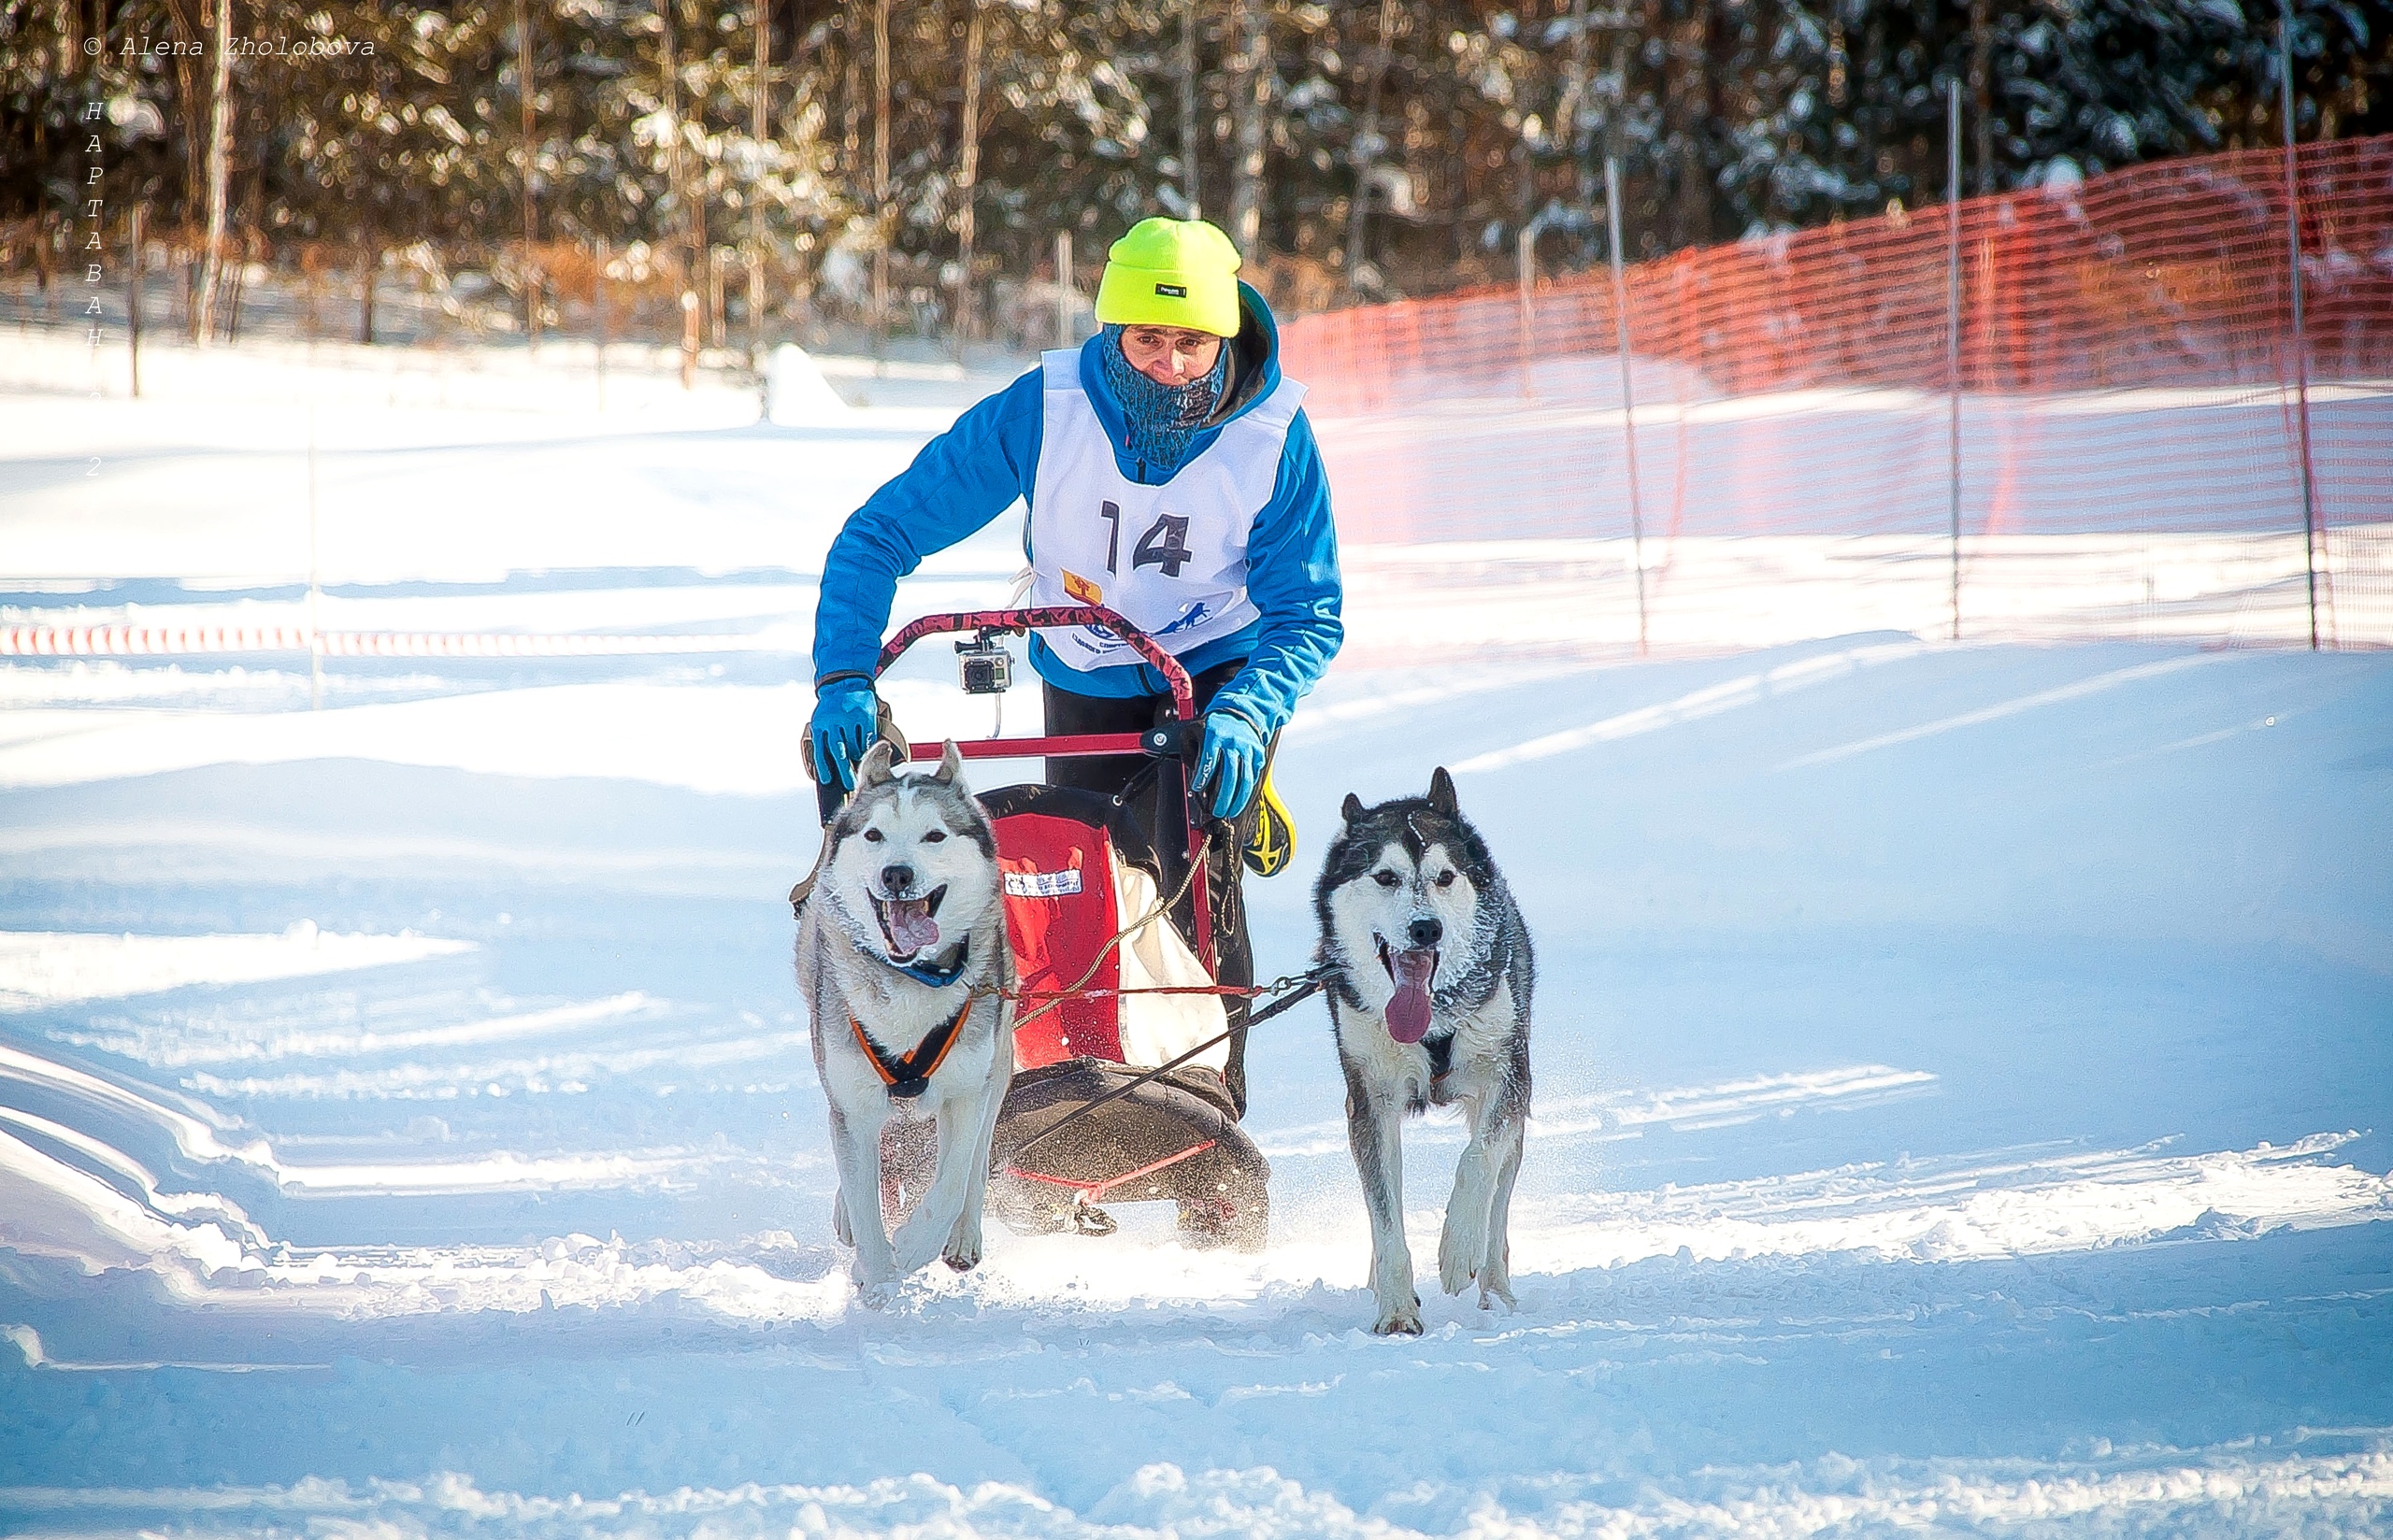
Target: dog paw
(1494, 1287)
(1403, 1320)
(963, 1251)
(840, 1219)
(917, 1241)
(1458, 1261)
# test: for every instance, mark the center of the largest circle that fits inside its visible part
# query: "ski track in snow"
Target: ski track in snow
(1961, 1071)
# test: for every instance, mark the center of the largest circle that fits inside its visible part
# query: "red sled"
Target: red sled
(1077, 867)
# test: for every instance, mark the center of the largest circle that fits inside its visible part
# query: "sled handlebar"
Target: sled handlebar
(1163, 742)
(1041, 617)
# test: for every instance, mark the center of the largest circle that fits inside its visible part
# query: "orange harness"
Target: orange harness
(908, 1076)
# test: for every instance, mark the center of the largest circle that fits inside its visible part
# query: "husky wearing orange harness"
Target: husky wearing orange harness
(903, 962)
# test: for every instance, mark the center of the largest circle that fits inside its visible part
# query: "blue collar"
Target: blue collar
(939, 978)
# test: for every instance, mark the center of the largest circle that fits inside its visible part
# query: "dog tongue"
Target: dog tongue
(911, 925)
(1408, 1013)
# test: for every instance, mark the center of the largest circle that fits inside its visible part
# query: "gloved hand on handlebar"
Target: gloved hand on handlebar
(1231, 761)
(846, 715)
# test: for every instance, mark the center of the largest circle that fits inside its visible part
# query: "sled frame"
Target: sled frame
(1162, 743)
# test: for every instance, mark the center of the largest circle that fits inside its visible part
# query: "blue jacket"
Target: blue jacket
(974, 472)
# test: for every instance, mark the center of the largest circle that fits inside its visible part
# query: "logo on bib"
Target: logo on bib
(1081, 589)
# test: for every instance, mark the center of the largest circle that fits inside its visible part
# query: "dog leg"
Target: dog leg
(856, 1144)
(927, 1231)
(1462, 1243)
(963, 1251)
(1373, 1133)
(1495, 1270)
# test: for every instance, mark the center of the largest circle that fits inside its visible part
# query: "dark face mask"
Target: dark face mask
(1160, 419)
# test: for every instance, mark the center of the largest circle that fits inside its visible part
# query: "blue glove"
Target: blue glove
(1231, 761)
(847, 715)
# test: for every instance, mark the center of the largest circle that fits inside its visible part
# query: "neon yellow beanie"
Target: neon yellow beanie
(1171, 273)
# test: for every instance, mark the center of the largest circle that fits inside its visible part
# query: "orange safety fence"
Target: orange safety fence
(2132, 418)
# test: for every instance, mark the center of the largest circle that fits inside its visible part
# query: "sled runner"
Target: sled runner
(1123, 1030)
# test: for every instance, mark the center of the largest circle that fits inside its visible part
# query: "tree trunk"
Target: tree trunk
(801, 283)
(852, 108)
(718, 262)
(524, 93)
(241, 267)
(755, 206)
(187, 22)
(1368, 149)
(1571, 118)
(219, 166)
(678, 174)
(880, 222)
(967, 176)
(1982, 90)
(366, 309)
(1691, 75)
(1253, 87)
(1188, 180)
(132, 298)
(1577, 136)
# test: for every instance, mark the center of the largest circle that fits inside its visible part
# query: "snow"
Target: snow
(1961, 1069)
(38, 969)
(797, 391)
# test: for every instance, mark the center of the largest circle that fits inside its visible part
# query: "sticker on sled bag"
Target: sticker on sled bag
(1043, 884)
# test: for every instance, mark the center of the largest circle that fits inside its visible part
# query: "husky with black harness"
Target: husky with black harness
(903, 962)
(1429, 972)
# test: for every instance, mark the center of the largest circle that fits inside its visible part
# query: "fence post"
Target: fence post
(1953, 328)
(1627, 395)
(2301, 332)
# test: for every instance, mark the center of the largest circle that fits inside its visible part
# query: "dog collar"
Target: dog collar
(909, 1075)
(939, 978)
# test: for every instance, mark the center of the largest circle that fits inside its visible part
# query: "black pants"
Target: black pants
(1157, 796)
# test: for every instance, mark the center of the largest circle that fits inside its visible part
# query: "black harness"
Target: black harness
(909, 1075)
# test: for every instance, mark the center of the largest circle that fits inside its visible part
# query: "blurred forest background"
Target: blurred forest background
(909, 164)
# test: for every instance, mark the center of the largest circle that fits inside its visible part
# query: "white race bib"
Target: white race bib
(1171, 560)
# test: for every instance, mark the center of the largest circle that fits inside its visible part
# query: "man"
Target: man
(1170, 476)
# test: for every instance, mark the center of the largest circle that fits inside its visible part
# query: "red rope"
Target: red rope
(1092, 1191)
(1018, 997)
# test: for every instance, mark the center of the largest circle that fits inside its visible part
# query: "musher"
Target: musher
(1171, 474)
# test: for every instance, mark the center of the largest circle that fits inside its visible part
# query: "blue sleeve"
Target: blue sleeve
(962, 480)
(1292, 577)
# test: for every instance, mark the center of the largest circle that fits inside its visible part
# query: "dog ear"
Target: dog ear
(1352, 811)
(876, 767)
(1442, 792)
(950, 764)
